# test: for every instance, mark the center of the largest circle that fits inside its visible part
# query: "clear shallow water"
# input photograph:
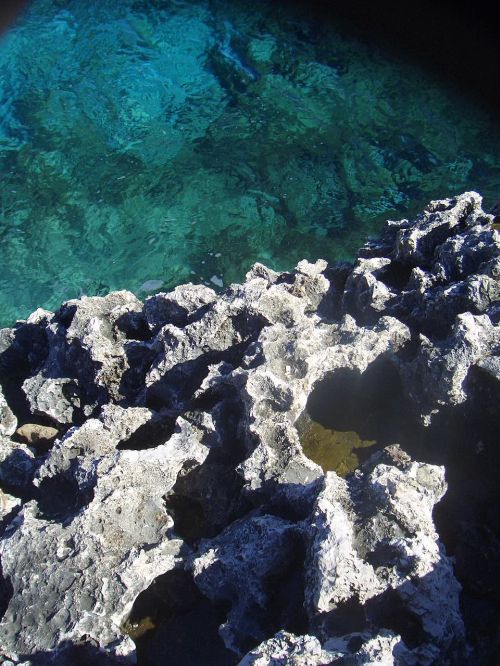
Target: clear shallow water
(146, 144)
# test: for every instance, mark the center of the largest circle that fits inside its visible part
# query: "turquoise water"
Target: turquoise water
(146, 144)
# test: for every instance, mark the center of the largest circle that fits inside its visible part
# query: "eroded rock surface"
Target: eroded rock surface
(176, 518)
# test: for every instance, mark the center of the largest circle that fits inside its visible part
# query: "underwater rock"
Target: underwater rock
(39, 436)
(180, 491)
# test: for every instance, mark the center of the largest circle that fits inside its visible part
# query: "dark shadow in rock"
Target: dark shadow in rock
(219, 394)
(166, 311)
(19, 361)
(204, 501)
(171, 622)
(134, 326)
(290, 501)
(155, 432)
(395, 275)
(171, 593)
(391, 610)
(385, 554)
(65, 315)
(78, 364)
(388, 610)
(74, 653)
(409, 351)
(191, 639)
(285, 278)
(285, 608)
(467, 519)
(349, 617)
(16, 475)
(177, 386)
(198, 314)
(209, 497)
(481, 621)
(190, 521)
(59, 498)
(372, 404)
(330, 307)
(228, 416)
(139, 359)
(253, 616)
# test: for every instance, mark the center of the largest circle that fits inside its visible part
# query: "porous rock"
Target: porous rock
(83, 572)
(8, 421)
(180, 458)
(373, 539)
(358, 649)
(285, 648)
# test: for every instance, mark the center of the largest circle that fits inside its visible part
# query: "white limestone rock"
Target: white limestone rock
(8, 421)
(81, 573)
(179, 449)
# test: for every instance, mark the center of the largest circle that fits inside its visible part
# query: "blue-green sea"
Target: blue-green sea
(145, 144)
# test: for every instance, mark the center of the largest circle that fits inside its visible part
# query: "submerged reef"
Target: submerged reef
(303, 135)
(158, 505)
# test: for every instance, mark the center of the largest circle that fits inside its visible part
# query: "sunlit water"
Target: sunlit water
(146, 144)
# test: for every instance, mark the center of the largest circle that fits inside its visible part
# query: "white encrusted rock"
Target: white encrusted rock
(8, 421)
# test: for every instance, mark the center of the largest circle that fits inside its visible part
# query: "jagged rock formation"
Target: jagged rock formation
(177, 518)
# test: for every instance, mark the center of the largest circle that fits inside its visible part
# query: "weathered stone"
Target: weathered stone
(108, 551)
(359, 649)
(8, 504)
(179, 492)
(8, 421)
(177, 306)
(86, 358)
(285, 648)
(17, 465)
(36, 435)
(373, 537)
(234, 568)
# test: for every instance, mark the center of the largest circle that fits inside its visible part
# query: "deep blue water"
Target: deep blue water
(146, 144)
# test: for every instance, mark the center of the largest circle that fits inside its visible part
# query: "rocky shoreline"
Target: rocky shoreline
(165, 510)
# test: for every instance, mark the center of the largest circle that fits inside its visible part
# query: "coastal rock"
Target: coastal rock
(180, 491)
(8, 504)
(17, 465)
(285, 648)
(84, 359)
(177, 306)
(236, 567)
(357, 649)
(8, 421)
(102, 547)
(375, 558)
